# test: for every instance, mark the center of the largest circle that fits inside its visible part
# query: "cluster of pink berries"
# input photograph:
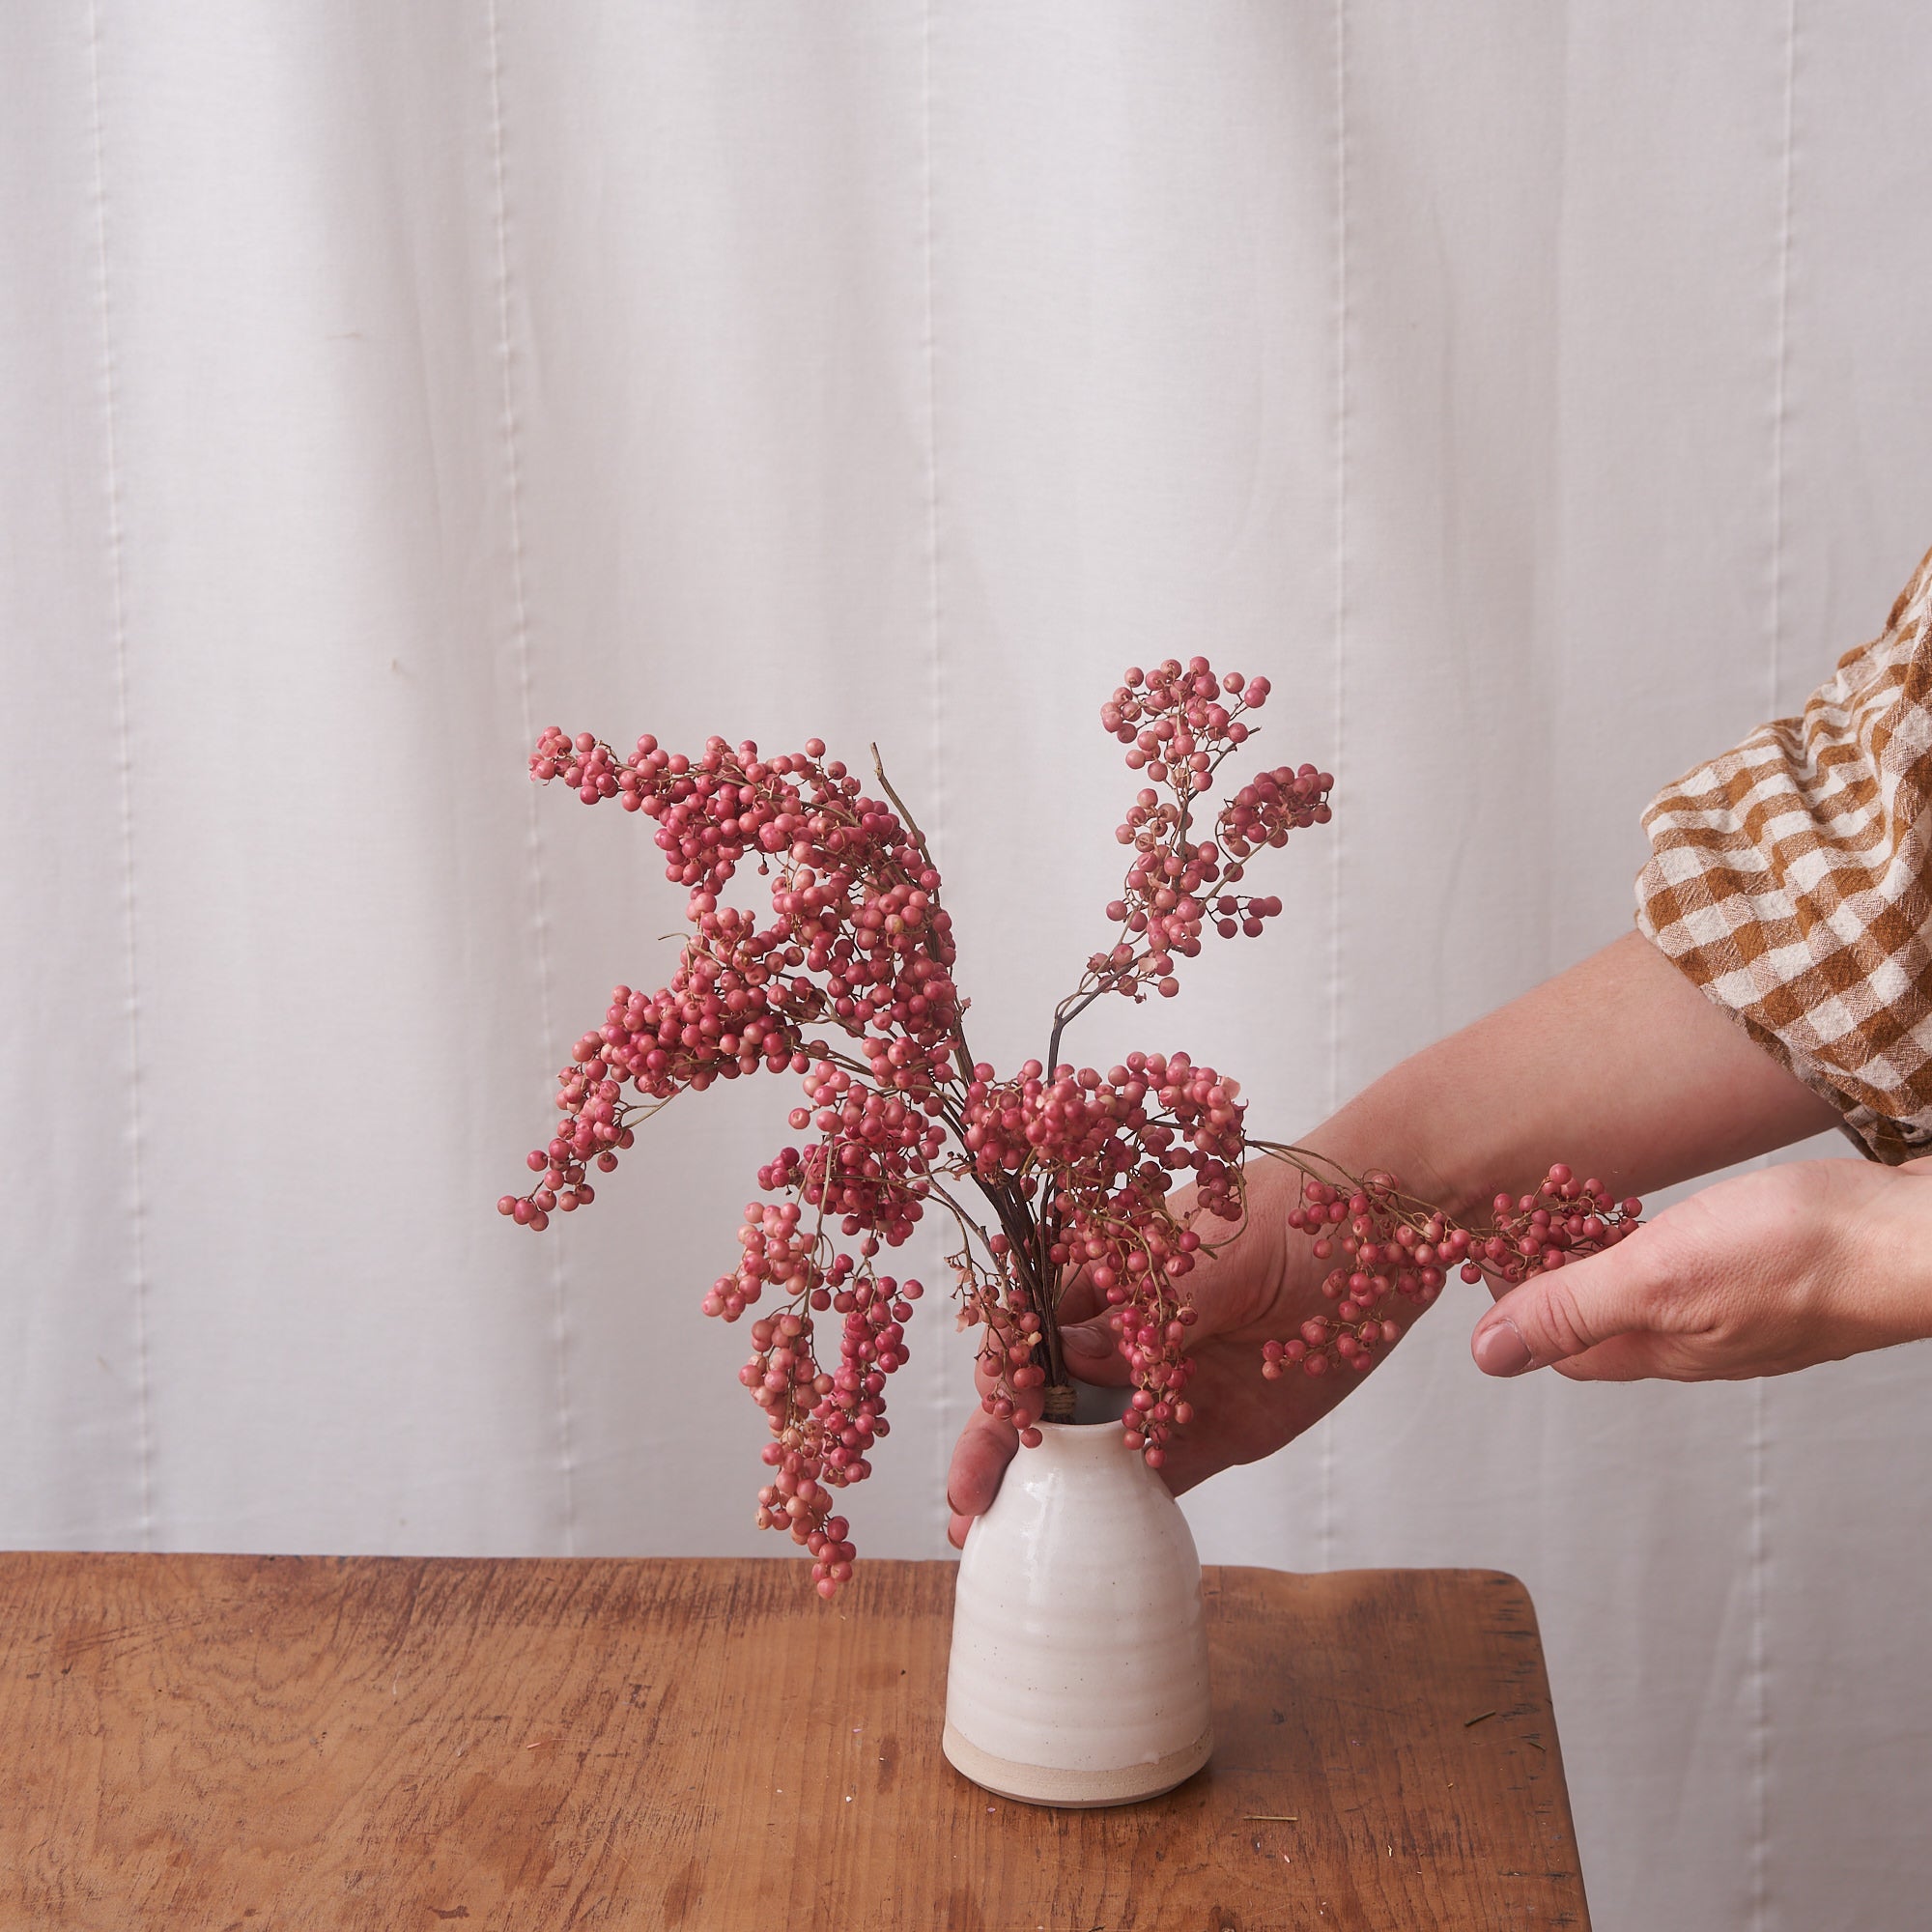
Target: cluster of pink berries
(1106, 1150)
(1395, 1245)
(1176, 718)
(1179, 722)
(1564, 1220)
(850, 985)
(1084, 1129)
(1275, 804)
(823, 1422)
(870, 1167)
(857, 945)
(859, 941)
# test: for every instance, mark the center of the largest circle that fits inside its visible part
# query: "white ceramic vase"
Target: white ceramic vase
(1079, 1667)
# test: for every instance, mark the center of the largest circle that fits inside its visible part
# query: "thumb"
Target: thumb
(1564, 1311)
(1093, 1352)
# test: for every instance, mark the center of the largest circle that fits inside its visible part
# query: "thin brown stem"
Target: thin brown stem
(911, 823)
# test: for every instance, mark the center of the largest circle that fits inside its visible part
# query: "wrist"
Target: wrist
(1891, 1242)
(1386, 1126)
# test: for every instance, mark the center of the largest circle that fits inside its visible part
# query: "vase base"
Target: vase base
(1074, 1790)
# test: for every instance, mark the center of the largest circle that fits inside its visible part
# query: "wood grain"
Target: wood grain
(252, 1742)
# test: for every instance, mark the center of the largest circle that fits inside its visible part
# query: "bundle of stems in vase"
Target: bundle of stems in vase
(1132, 1174)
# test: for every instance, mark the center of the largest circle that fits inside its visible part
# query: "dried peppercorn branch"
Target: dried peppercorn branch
(1052, 1170)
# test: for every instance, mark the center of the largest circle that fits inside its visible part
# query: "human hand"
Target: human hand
(1264, 1283)
(1757, 1276)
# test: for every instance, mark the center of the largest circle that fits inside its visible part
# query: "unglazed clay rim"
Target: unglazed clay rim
(1074, 1790)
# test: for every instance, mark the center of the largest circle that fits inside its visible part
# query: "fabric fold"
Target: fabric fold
(1788, 880)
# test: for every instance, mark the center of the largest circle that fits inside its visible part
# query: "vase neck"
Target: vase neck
(1080, 1442)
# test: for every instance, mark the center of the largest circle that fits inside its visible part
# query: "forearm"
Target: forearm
(1618, 1066)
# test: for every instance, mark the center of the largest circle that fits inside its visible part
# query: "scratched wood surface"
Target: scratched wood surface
(384, 1743)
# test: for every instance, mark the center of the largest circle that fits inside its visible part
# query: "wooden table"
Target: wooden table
(251, 1742)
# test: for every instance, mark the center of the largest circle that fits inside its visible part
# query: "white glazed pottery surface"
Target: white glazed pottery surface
(1079, 1665)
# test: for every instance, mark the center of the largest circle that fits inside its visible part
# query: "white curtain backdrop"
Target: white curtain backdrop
(1539, 394)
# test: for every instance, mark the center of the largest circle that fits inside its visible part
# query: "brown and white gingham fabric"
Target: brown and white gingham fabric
(1791, 880)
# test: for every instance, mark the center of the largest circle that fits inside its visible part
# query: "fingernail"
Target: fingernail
(1086, 1342)
(1501, 1350)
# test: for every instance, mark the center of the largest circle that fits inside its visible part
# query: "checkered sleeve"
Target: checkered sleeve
(1791, 881)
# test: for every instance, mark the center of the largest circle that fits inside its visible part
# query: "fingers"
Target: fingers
(1564, 1315)
(1079, 1300)
(1093, 1353)
(987, 1444)
(980, 1459)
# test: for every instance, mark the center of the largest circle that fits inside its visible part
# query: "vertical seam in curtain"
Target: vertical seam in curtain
(1758, 1870)
(131, 905)
(938, 678)
(1760, 1741)
(1782, 362)
(521, 619)
(1327, 1532)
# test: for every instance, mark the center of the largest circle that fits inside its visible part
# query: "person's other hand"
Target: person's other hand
(1263, 1285)
(1757, 1276)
